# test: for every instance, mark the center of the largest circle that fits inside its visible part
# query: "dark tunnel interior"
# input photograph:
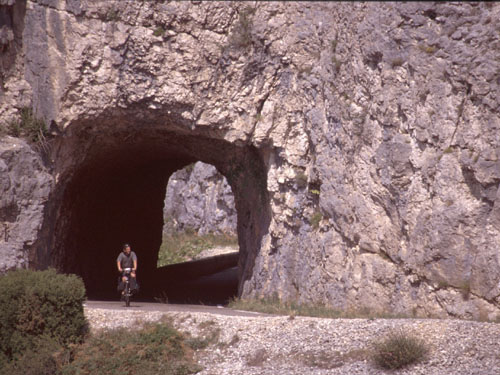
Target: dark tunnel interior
(115, 195)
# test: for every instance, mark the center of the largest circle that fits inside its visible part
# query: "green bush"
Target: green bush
(398, 350)
(156, 349)
(45, 358)
(39, 305)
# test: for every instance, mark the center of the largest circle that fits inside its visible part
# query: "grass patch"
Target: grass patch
(182, 247)
(29, 127)
(277, 307)
(157, 348)
(399, 349)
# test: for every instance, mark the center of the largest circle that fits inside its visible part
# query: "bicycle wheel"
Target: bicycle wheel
(127, 295)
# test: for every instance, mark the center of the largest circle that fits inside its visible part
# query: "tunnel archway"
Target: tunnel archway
(110, 190)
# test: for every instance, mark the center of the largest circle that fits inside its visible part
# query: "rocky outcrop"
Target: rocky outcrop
(199, 198)
(359, 140)
(15, 91)
(25, 185)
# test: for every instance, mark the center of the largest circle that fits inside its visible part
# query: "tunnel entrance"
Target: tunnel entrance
(110, 190)
(199, 251)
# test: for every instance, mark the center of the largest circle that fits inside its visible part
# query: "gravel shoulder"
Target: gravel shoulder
(279, 345)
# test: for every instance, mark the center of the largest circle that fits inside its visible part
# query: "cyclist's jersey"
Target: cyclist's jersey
(126, 261)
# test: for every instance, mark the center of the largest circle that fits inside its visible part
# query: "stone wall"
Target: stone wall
(375, 126)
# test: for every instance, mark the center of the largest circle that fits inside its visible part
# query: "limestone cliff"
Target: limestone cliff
(199, 198)
(360, 140)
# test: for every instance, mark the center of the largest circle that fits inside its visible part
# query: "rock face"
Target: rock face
(25, 185)
(199, 198)
(360, 141)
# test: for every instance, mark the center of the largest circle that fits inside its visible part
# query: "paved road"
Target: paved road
(154, 306)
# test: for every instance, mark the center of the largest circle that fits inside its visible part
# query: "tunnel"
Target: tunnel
(111, 188)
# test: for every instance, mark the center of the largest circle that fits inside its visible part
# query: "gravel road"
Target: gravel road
(259, 344)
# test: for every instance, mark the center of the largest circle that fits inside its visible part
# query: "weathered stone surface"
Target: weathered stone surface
(199, 198)
(25, 185)
(360, 139)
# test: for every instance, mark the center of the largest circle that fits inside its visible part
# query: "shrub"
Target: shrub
(45, 358)
(156, 349)
(37, 305)
(399, 349)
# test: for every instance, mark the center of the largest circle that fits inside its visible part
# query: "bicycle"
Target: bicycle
(127, 293)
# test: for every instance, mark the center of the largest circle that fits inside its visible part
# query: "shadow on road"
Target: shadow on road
(214, 289)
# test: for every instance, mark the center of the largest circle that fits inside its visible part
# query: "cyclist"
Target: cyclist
(127, 259)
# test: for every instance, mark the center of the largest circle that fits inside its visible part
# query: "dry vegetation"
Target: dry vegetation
(186, 246)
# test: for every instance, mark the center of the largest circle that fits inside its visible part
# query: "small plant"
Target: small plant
(427, 49)
(465, 289)
(333, 45)
(316, 219)
(234, 340)
(242, 32)
(448, 150)
(397, 61)
(385, 256)
(112, 15)
(29, 127)
(399, 349)
(314, 191)
(257, 358)
(301, 179)
(190, 167)
(443, 284)
(336, 63)
(159, 31)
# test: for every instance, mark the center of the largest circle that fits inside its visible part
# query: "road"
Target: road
(163, 307)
